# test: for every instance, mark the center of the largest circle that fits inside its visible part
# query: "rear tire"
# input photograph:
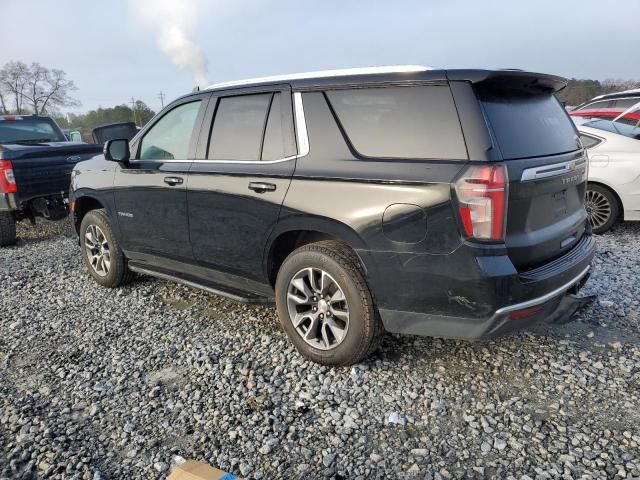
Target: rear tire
(101, 252)
(7, 229)
(603, 209)
(325, 306)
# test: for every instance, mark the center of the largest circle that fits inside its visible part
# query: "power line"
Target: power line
(161, 96)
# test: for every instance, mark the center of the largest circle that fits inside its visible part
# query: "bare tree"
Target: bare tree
(13, 80)
(35, 88)
(3, 103)
(48, 90)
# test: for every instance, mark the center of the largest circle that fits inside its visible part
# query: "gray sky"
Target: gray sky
(112, 53)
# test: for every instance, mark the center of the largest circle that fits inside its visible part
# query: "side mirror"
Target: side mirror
(117, 150)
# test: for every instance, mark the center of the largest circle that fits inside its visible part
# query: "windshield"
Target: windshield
(29, 130)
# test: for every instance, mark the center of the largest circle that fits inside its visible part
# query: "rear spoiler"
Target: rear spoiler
(517, 79)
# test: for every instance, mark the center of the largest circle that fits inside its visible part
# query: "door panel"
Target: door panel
(236, 186)
(229, 222)
(150, 190)
(152, 214)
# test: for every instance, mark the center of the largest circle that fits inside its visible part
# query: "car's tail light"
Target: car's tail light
(482, 201)
(7, 179)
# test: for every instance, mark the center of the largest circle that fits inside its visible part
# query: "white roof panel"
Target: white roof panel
(322, 74)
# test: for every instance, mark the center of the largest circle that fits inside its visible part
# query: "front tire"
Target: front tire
(325, 306)
(101, 252)
(602, 207)
(7, 229)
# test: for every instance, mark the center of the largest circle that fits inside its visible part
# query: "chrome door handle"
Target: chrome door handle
(173, 181)
(261, 187)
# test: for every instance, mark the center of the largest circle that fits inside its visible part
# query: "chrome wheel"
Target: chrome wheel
(97, 250)
(318, 308)
(598, 209)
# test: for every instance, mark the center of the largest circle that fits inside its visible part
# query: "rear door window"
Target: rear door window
(238, 127)
(528, 124)
(598, 105)
(624, 103)
(400, 122)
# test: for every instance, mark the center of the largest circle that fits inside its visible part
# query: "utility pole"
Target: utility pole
(161, 97)
(133, 109)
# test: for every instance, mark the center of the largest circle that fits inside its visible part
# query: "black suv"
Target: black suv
(432, 202)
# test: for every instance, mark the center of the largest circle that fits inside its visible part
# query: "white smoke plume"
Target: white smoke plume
(174, 21)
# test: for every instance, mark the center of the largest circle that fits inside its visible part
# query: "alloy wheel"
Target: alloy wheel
(598, 208)
(318, 308)
(97, 250)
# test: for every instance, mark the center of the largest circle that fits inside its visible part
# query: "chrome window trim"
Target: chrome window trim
(553, 170)
(302, 140)
(247, 162)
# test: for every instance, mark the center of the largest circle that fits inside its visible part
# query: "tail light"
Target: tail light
(7, 179)
(482, 201)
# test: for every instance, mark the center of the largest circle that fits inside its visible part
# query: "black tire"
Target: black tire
(365, 330)
(603, 208)
(118, 273)
(7, 229)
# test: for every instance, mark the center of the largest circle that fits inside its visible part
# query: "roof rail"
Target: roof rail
(322, 74)
(633, 91)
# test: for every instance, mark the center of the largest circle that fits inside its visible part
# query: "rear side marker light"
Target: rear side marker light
(482, 202)
(7, 178)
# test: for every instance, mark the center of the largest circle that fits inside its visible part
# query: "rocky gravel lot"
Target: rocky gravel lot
(110, 384)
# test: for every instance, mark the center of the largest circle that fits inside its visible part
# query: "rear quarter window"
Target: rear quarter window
(528, 124)
(588, 141)
(400, 122)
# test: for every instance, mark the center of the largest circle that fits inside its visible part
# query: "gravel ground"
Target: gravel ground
(98, 384)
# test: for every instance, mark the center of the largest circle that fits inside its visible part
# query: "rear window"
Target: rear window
(29, 130)
(528, 124)
(626, 127)
(401, 122)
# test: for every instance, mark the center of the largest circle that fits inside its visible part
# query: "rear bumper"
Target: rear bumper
(497, 300)
(7, 202)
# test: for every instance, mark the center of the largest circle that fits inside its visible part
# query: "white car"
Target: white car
(613, 191)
